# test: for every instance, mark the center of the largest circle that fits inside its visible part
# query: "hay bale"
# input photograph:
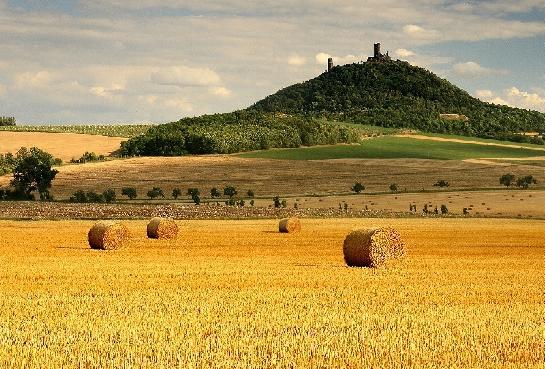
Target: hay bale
(397, 248)
(370, 247)
(108, 235)
(289, 225)
(162, 228)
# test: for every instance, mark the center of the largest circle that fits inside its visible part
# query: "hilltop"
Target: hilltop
(397, 94)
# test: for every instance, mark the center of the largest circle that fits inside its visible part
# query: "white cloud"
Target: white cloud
(484, 94)
(472, 69)
(297, 60)
(404, 53)
(32, 79)
(321, 59)
(420, 33)
(513, 96)
(221, 91)
(185, 76)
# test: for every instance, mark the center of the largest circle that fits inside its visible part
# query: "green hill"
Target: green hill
(392, 94)
(397, 94)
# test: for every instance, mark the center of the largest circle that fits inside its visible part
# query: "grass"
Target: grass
(119, 130)
(397, 147)
(260, 299)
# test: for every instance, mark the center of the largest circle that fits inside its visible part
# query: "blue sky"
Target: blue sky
(156, 61)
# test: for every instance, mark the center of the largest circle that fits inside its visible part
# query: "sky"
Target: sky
(131, 61)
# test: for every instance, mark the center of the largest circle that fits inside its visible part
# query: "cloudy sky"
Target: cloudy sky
(86, 61)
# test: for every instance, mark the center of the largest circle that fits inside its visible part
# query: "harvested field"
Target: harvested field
(61, 145)
(256, 300)
(277, 177)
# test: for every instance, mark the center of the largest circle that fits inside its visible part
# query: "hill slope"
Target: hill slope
(394, 94)
(397, 94)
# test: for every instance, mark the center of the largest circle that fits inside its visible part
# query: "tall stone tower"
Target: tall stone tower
(329, 64)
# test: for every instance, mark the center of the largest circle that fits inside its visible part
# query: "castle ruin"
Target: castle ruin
(378, 56)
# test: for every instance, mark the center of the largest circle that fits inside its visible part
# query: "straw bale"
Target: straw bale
(108, 235)
(162, 228)
(289, 225)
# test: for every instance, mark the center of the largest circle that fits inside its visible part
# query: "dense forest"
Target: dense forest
(392, 94)
(397, 94)
(236, 132)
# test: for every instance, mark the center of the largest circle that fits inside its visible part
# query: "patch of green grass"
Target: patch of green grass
(119, 130)
(397, 147)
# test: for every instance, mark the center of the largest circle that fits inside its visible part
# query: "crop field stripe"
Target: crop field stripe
(397, 147)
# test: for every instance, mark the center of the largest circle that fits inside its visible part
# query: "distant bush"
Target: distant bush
(215, 193)
(525, 182)
(507, 179)
(358, 187)
(230, 191)
(393, 187)
(88, 157)
(441, 183)
(7, 121)
(130, 192)
(444, 209)
(176, 192)
(109, 196)
(250, 194)
(155, 192)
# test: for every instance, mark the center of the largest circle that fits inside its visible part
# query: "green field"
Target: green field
(114, 130)
(397, 147)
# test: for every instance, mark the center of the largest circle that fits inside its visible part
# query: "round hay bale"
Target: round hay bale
(289, 225)
(367, 247)
(108, 235)
(397, 249)
(162, 228)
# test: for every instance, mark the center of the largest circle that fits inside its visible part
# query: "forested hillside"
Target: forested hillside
(397, 94)
(236, 132)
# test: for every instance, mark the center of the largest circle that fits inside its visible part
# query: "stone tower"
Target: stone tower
(329, 64)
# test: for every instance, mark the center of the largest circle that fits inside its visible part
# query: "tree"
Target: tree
(130, 192)
(525, 182)
(109, 195)
(94, 197)
(507, 179)
(441, 183)
(251, 194)
(276, 201)
(79, 196)
(176, 193)
(444, 209)
(229, 191)
(358, 187)
(215, 193)
(196, 199)
(393, 187)
(155, 192)
(193, 192)
(33, 172)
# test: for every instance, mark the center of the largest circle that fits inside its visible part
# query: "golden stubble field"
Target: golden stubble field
(61, 145)
(237, 294)
(278, 177)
